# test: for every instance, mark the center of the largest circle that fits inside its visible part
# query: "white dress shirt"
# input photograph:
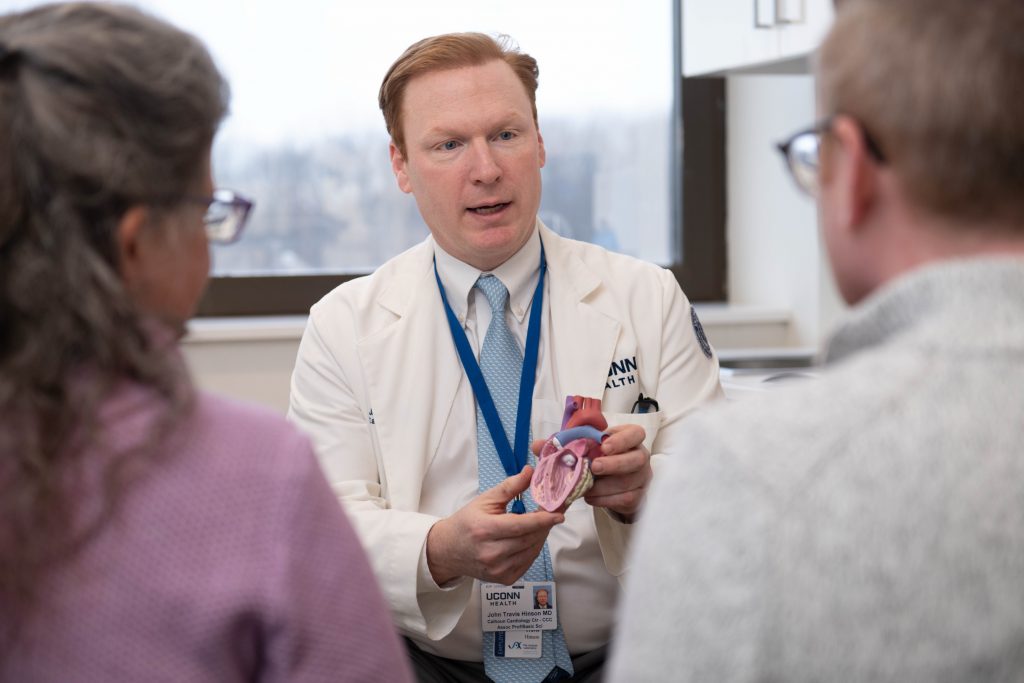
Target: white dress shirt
(586, 592)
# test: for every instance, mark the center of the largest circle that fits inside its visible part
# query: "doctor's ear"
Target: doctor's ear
(398, 168)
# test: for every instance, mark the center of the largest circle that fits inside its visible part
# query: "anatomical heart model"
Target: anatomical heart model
(563, 467)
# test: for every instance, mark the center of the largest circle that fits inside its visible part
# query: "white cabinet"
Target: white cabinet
(722, 35)
(803, 35)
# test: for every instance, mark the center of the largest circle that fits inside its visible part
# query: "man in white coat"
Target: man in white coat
(380, 385)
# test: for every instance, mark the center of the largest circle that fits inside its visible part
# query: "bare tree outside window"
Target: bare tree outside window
(306, 140)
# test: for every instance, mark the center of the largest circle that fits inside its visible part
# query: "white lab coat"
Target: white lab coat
(377, 375)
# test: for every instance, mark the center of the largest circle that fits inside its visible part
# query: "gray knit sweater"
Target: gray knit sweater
(867, 525)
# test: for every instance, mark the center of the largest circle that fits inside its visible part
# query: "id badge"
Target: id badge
(526, 606)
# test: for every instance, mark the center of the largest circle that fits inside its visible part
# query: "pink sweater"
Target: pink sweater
(230, 560)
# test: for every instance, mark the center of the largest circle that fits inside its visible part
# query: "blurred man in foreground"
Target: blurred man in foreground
(869, 526)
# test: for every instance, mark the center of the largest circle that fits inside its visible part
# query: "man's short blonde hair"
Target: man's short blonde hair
(939, 84)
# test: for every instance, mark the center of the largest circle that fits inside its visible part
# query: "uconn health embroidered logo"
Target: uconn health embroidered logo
(621, 373)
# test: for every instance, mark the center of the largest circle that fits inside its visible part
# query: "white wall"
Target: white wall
(248, 359)
(774, 247)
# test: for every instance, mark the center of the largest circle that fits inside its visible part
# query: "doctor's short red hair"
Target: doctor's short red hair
(450, 51)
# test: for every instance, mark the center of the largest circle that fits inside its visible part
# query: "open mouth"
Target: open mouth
(488, 209)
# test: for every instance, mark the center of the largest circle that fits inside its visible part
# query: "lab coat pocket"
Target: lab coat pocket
(651, 422)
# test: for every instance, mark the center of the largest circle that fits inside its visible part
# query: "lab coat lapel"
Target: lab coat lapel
(587, 332)
(412, 372)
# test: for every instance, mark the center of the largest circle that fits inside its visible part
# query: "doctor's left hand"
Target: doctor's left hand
(622, 474)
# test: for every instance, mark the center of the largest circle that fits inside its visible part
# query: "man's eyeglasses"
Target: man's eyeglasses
(226, 214)
(802, 153)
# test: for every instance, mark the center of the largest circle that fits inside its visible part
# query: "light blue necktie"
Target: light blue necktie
(501, 363)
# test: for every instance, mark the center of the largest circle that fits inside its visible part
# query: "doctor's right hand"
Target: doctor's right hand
(481, 540)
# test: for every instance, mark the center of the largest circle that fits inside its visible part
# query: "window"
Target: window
(306, 140)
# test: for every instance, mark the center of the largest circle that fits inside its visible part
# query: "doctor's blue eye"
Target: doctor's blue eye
(449, 145)
(506, 135)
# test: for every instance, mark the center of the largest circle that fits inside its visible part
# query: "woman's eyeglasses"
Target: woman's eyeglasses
(226, 215)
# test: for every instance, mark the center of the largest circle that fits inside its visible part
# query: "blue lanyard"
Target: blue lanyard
(512, 460)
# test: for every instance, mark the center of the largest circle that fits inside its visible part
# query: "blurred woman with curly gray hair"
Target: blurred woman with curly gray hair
(147, 531)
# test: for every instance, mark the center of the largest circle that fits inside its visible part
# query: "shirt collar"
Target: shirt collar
(519, 274)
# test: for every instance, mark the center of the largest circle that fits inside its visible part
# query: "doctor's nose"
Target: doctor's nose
(483, 167)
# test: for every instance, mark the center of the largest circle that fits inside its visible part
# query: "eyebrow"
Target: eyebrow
(513, 119)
